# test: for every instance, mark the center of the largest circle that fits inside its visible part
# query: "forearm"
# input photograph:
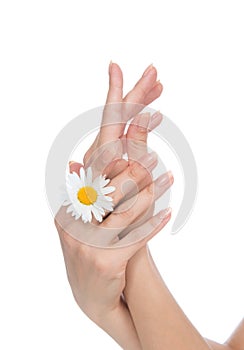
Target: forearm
(159, 321)
(215, 346)
(119, 325)
(236, 340)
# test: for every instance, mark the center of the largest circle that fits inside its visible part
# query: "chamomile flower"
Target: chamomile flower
(86, 197)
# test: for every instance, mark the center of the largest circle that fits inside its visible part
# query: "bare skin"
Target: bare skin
(105, 268)
(136, 314)
(159, 321)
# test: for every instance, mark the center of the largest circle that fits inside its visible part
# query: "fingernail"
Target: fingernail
(71, 162)
(155, 120)
(164, 213)
(148, 160)
(164, 180)
(143, 121)
(148, 70)
(109, 67)
(161, 216)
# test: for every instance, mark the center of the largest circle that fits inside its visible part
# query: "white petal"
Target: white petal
(77, 216)
(102, 181)
(73, 179)
(97, 189)
(74, 187)
(70, 209)
(82, 175)
(99, 208)
(107, 190)
(89, 177)
(97, 214)
(96, 184)
(86, 213)
(78, 207)
(105, 205)
(107, 198)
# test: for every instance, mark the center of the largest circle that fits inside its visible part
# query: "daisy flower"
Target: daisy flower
(85, 197)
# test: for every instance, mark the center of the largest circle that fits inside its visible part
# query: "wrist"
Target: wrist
(105, 318)
(137, 270)
(119, 325)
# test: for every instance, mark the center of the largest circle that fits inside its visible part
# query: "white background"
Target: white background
(54, 60)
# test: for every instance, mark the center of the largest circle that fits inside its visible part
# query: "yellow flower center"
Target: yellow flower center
(87, 195)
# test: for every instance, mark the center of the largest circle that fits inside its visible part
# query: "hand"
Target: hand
(89, 266)
(119, 110)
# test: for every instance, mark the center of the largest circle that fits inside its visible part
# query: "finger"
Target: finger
(115, 91)
(127, 183)
(111, 127)
(143, 86)
(146, 231)
(127, 212)
(135, 99)
(114, 97)
(138, 222)
(137, 133)
(103, 156)
(156, 120)
(75, 167)
(154, 93)
(116, 114)
(115, 168)
(132, 133)
(136, 137)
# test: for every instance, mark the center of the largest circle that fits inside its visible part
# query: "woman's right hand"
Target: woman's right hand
(97, 275)
(88, 266)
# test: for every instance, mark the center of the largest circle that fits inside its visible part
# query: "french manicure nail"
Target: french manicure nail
(164, 213)
(148, 70)
(148, 159)
(155, 120)
(109, 67)
(160, 216)
(143, 121)
(164, 180)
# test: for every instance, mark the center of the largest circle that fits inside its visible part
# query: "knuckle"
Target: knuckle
(141, 131)
(134, 171)
(126, 213)
(141, 90)
(150, 190)
(100, 265)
